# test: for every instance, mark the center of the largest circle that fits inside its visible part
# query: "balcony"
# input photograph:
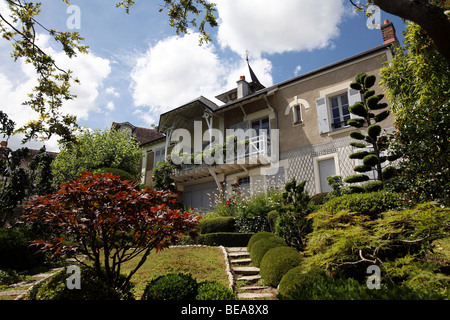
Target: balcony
(254, 152)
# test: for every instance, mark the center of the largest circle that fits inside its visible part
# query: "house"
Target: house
(296, 128)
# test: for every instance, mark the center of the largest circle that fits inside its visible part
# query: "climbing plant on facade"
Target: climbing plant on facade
(374, 143)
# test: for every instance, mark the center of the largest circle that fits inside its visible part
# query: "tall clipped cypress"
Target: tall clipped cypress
(373, 139)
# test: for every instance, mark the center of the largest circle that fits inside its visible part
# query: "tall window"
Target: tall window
(159, 156)
(339, 111)
(297, 114)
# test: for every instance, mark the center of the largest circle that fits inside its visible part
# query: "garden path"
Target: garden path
(243, 271)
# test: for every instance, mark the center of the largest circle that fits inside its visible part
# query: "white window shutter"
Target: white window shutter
(322, 115)
(353, 97)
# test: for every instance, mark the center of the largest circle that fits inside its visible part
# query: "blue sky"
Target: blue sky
(138, 67)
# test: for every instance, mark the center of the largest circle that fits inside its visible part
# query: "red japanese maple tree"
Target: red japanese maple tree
(109, 221)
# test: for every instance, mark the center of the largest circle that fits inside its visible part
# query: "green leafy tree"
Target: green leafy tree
(431, 15)
(95, 150)
(373, 139)
(17, 181)
(291, 223)
(52, 90)
(417, 84)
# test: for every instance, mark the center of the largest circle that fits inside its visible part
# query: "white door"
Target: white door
(327, 168)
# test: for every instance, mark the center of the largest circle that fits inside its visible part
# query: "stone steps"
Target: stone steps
(242, 270)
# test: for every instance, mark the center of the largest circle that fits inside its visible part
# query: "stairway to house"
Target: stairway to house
(246, 276)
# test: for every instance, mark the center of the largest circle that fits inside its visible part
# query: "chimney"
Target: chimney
(242, 88)
(388, 32)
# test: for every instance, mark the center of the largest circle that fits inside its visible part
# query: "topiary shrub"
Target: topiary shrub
(258, 236)
(172, 286)
(226, 239)
(212, 290)
(296, 279)
(92, 288)
(276, 262)
(15, 251)
(219, 224)
(260, 248)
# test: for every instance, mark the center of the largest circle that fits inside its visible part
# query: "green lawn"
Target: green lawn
(203, 263)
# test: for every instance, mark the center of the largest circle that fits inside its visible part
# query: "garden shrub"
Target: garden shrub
(212, 290)
(260, 248)
(226, 239)
(15, 251)
(272, 217)
(319, 198)
(276, 262)
(219, 224)
(172, 286)
(298, 277)
(370, 204)
(256, 237)
(92, 288)
(324, 287)
(8, 276)
(117, 172)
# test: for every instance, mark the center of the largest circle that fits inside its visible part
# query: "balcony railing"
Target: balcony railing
(243, 153)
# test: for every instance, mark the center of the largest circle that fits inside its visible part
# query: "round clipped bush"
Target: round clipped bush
(296, 278)
(370, 160)
(374, 130)
(212, 290)
(92, 288)
(260, 248)
(172, 286)
(258, 236)
(357, 135)
(219, 224)
(356, 178)
(276, 262)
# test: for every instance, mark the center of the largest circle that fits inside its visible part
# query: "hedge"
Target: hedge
(219, 224)
(260, 248)
(226, 239)
(276, 262)
(258, 236)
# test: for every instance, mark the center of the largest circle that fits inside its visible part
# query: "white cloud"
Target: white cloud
(112, 91)
(267, 26)
(17, 79)
(177, 70)
(297, 70)
(110, 106)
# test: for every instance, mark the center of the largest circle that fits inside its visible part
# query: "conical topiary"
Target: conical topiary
(372, 139)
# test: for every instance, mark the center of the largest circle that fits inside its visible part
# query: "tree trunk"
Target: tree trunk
(430, 17)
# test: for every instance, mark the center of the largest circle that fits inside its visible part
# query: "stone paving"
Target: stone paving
(242, 270)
